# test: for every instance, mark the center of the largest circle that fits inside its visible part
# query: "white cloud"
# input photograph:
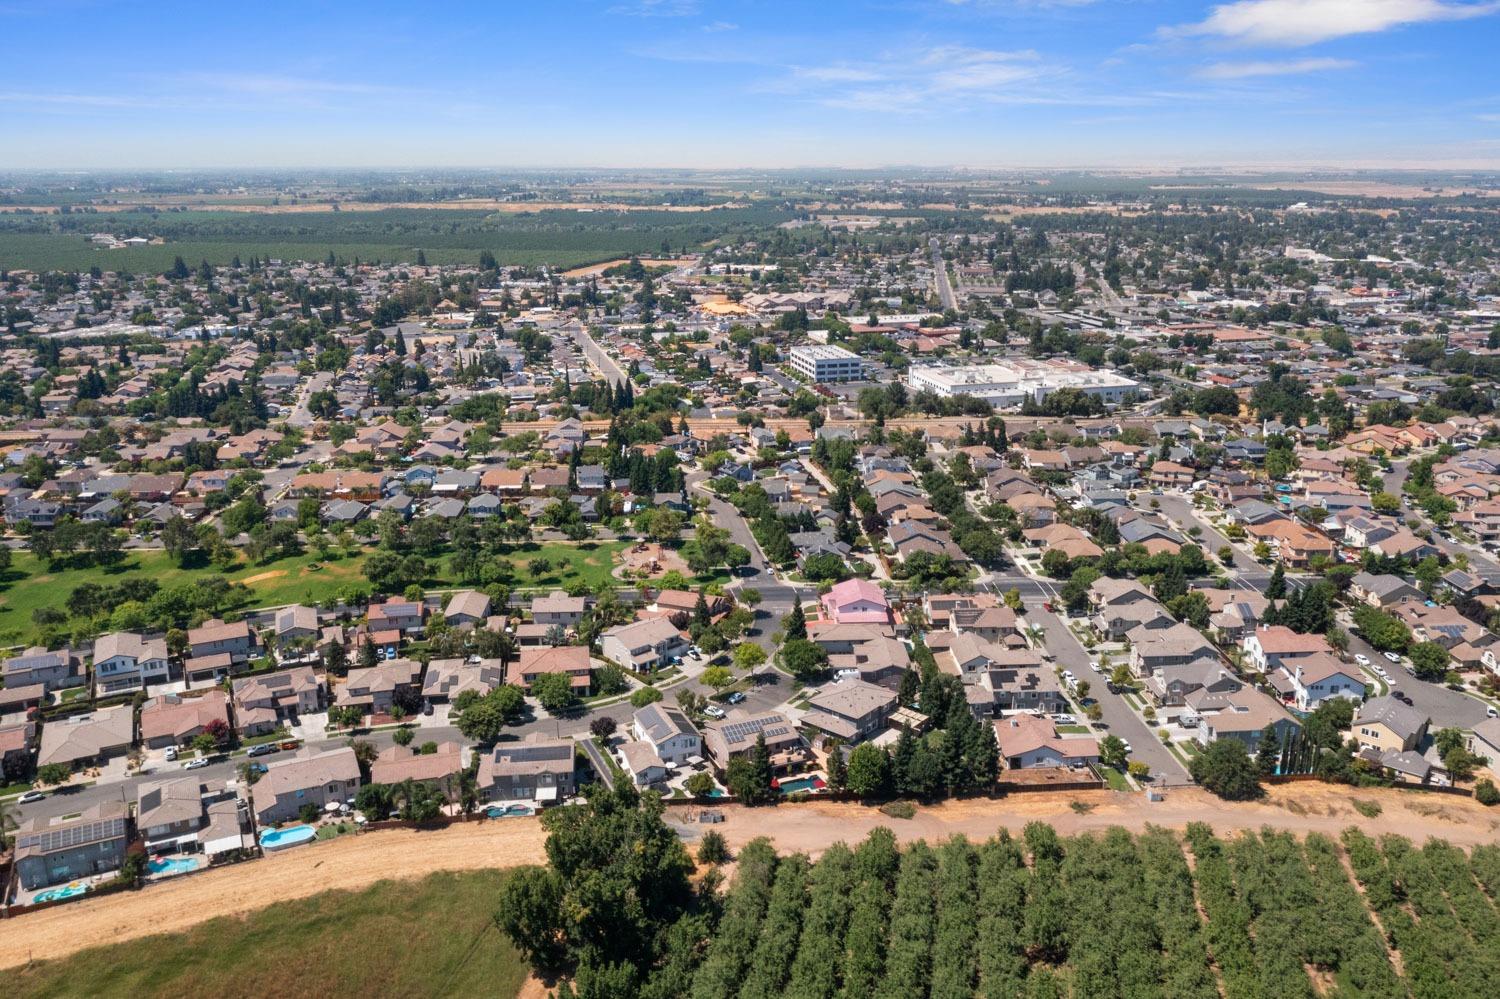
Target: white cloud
(1306, 22)
(656, 8)
(717, 26)
(1293, 67)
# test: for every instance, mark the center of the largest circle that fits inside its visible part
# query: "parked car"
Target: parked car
(1361, 658)
(1094, 665)
(260, 768)
(171, 753)
(1064, 719)
(1392, 657)
(736, 697)
(714, 711)
(291, 744)
(200, 762)
(31, 798)
(1490, 712)
(264, 749)
(1403, 698)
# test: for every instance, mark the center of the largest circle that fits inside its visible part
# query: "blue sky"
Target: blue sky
(704, 83)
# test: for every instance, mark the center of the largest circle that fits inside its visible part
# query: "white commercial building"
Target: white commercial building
(827, 364)
(1008, 383)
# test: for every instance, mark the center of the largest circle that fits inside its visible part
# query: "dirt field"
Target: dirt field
(348, 862)
(596, 269)
(1301, 808)
(358, 861)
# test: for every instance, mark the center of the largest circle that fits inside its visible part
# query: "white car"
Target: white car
(32, 797)
(714, 711)
(1068, 675)
(1065, 719)
(1488, 713)
(1392, 657)
(1361, 658)
(1128, 747)
(195, 764)
(1379, 671)
(1095, 666)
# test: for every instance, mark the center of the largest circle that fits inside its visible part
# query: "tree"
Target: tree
(617, 880)
(483, 720)
(402, 736)
(1268, 752)
(795, 624)
(204, 744)
(1429, 661)
(602, 727)
(804, 658)
(717, 677)
(699, 785)
(869, 771)
(52, 774)
(554, 691)
(1112, 751)
(1225, 768)
(1485, 792)
(1121, 676)
(643, 696)
(747, 656)
(749, 774)
(712, 849)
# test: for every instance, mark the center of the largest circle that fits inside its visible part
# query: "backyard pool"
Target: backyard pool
(172, 865)
(58, 894)
(801, 784)
(277, 839)
(507, 811)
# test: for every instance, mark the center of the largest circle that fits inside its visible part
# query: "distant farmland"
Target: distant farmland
(563, 238)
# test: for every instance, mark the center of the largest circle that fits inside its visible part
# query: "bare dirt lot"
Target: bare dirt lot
(346, 863)
(1301, 808)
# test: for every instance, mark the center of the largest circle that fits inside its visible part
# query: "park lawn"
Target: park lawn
(430, 937)
(301, 578)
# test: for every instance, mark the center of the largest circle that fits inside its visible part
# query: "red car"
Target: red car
(1047, 606)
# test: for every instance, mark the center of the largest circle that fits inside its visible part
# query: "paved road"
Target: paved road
(1119, 717)
(597, 355)
(301, 415)
(940, 276)
(1178, 509)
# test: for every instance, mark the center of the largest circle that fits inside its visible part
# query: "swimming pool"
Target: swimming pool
(801, 784)
(58, 894)
(173, 865)
(507, 811)
(277, 839)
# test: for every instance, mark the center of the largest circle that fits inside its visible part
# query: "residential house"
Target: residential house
(1029, 741)
(1383, 590)
(378, 689)
(641, 761)
(856, 601)
(441, 769)
(63, 848)
(736, 735)
(126, 661)
(51, 670)
(83, 740)
(557, 608)
(467, 607)
(1311, 680)
(236, 640)
(1273, 645)
(265, 702)
(1241, 714)
(445, 679)
(1151, 650)
(536, 769)
(668, 731)
(1384, 723)
(404, 616)
(851, 711)
(644, 645)
(570, 660)
(309, 778)
(173, 720)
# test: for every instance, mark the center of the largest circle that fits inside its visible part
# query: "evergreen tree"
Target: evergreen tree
(796, 625)
(1276, 588)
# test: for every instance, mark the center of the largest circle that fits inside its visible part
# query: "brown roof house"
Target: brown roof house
(263, 703)
(379, 688)
(171, 720)
(572, 660)
(307, 779)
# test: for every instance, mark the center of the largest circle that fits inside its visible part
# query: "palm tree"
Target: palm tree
(1035, 635)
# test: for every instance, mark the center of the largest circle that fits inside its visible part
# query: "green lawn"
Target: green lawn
(301, 579)
(1114, 779)
(425, 938)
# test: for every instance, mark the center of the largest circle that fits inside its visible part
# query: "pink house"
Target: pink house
(856, 601)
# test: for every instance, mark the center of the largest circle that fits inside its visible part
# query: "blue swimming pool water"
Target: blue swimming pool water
(172, 865)
(506, 811)
(799, 784)
(275, 839)
(57, 894)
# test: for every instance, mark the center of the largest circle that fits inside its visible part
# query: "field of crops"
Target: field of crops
(1265, 915)
(564, 238)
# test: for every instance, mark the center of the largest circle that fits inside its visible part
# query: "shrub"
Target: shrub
(645, 696)
(1485, 792)
(712, 849)
(1369, 809)
(899, 809)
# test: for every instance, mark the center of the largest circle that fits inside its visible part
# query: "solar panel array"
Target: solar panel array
(741, 731)
(53, 840)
